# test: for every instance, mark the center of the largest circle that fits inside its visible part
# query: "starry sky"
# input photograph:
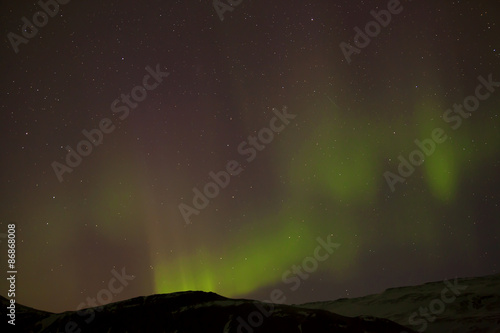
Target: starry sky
(323, 175)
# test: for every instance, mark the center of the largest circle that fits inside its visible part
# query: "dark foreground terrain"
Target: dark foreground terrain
(469, 305)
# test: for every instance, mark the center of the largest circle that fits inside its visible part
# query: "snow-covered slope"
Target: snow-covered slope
(453, 306)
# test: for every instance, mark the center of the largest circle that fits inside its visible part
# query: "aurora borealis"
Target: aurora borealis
(322, 175)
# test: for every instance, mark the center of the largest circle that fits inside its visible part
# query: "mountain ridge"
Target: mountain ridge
(475, 308)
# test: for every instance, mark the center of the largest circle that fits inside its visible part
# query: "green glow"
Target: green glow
(440, 167)
(251, 261)
(339, 160)
(333, 179)
(441, 173)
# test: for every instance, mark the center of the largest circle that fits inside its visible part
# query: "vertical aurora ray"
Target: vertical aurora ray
(250, 261)
(440, 163)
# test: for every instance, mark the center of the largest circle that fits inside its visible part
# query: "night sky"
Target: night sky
(214, 90)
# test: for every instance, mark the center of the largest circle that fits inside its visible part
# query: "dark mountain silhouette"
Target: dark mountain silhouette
(194, 311)
(476, 308)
